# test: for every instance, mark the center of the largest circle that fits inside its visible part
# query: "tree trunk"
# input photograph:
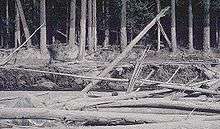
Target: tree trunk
(216, 32)
(82, 30)
(158, 27)
(43, 30)
(23, 21)
(90, 40)
(173, 25)
(72, 29)
(7, 24)
(123, 24)
(206, 35)
(17, 28)
(94, 22)
(191, 49)
(106, 23)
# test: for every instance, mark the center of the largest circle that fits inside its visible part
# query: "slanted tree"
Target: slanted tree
(23, 21)
(206, 31)
(173, 26)
(124, 24)
(82, 30)
(190, 9)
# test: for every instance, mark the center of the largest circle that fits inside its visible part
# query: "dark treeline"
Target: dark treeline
(109, 21)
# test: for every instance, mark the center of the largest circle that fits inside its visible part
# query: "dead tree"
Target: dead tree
(89, 38)
(94, 25)
(123, 24)
(17, 28)
(43, 30)
(82, 30)
(206, 31)
(23, 21)
(158, 27)
(106, 23)
(191, 49)
(72, 29)
(173, 25)
(7, 24)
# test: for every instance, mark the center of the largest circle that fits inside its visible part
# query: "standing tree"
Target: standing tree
(94, 25)
(90, 40)
(173, 25)
(206, 31)
(106, 22)
(17, 28)
(72, 29)
(124, 24)
(158, 27)
(43, 30)
(191, 49)
(82, 30)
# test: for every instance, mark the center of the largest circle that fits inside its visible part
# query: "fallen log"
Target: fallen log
(182, 87)
(82, 103)
(42, 113)
(195, 124)
(164, 103)
(126, 50)
(152, 111)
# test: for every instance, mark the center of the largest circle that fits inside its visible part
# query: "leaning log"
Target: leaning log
(126, 50)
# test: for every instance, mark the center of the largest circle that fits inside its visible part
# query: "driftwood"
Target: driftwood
(81, 103)
(195, 124)
(148, 110)
(41, 113)
(183, 87)
(164, 103)
(126, 50)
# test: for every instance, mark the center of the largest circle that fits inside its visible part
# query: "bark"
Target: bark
(87, 116)
(7, 24)
(90, 40)
(82, 30)
(206, 31)
(124, 25)
(72, 29)
(173, 25)
(126, 50)
(153, 111)
(106, 22)
(94, 26)
(158, 27)
(188, 124)
(43, 30)
(24, 22)
(167, 104)
(191, 48)
(17, 28)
